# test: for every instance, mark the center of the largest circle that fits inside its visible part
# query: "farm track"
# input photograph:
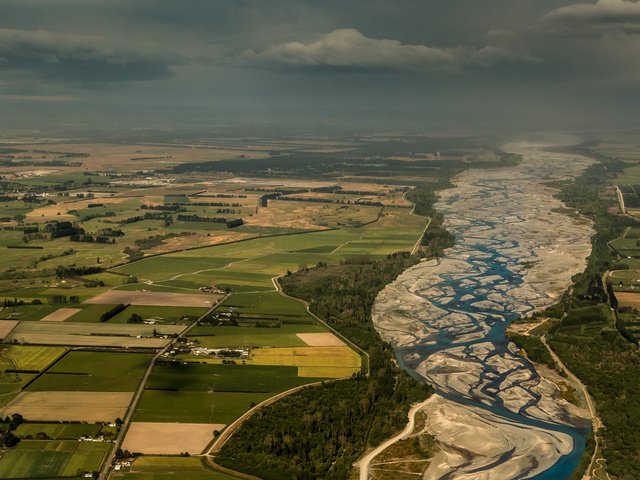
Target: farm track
(364, 463)
(596, 421)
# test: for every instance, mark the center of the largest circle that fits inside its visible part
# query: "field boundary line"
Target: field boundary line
(45, 370)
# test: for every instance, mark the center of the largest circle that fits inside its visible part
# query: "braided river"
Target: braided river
(493, 415)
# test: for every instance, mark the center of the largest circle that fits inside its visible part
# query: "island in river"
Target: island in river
(493, 416)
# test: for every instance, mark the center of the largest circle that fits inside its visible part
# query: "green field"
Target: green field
(50, 459)
(12, 383)
(223, 378)
(631, 176)
(271, 339)
(160, 314)
(284, 335)
(58, 431)
(195, 407)
(17, 357)
(582, 323)
(28, 312)
(31, 357)
(91, 329)
(250, 265)
(89, 313)
(94, 371)
(267, 302)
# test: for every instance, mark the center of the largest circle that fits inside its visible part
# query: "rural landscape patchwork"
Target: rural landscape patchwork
(194, 318)
(301, 240)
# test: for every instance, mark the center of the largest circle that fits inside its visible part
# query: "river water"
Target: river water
(515, 252)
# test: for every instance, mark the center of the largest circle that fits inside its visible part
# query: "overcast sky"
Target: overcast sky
(449, 63)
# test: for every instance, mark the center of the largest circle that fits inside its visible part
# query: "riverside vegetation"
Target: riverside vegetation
(585, 338)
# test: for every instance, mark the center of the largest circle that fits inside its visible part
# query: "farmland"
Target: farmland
(194, 406)
(50, 459)
(69, 406)
(58, 431)
(93, 371)
(169, 438)
(93, 334)
(105, 267)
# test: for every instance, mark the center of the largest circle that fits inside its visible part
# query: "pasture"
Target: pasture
(223, 378)
(31, 358)
(28, 312)
(250, 335)
(51, 459)
(195, 407)
(248, 266)
(94, 372)
(58, 431)
(306, 357)
(87, 313)
(19, 365)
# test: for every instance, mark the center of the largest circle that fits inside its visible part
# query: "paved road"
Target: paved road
(106, 469)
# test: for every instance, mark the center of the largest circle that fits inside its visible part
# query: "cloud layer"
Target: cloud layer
(82, 58)
(350, 49)
(594, 20)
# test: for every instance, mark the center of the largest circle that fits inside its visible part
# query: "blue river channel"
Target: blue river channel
(487, 268)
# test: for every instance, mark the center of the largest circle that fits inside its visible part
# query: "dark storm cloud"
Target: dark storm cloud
(594, 20)
(524, 61)
(82, 58)
(349, 49)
